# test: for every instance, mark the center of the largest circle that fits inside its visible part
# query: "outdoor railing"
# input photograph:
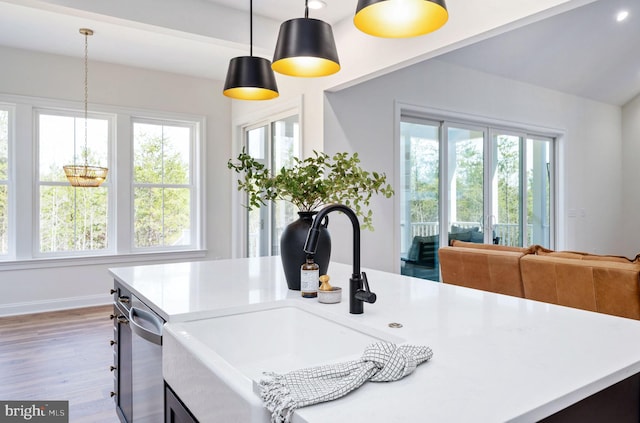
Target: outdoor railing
(508, 233)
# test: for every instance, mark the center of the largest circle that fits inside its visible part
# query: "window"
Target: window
(274, 143)
(151, 201)
(162, 183)
(4, 181)
(473, 182)
(71, 219)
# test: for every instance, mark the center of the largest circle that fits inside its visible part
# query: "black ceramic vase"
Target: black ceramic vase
(292, 252)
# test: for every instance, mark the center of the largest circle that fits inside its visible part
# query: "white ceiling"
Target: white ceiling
(52, 26)
(583, 51)
(282, 10)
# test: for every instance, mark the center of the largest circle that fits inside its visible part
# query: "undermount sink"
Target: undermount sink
(231, 353)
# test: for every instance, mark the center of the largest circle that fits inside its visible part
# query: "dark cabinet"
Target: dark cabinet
(122, 348)
(174, 410)
(137, 356)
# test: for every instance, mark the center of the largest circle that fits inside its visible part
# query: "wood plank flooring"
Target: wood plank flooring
(62, 355)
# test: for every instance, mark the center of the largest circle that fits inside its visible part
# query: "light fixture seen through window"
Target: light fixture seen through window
(84, 175)
(400, 18)
(305, 47)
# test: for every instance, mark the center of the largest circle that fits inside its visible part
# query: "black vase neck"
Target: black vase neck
(307, 215)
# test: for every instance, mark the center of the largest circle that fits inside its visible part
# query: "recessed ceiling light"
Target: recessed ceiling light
(622, 15)
(316, 4)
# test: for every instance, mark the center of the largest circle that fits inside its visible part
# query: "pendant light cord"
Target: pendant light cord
(86, 96)
(306, 9)
(250, 27)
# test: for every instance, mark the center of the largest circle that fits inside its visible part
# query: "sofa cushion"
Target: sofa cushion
(455, 229)
(617, 289)
(461, 236)
(423, 250)
(609, 287)
(477, 237)
(486, 269)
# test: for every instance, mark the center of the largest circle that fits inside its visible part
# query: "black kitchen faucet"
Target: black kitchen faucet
(358, 284)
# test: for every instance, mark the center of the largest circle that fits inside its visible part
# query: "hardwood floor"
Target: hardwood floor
(62, 355)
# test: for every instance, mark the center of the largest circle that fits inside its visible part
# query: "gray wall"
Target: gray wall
(363, 119)
(631, 182)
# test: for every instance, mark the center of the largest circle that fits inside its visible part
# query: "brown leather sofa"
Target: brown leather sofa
(605, 284)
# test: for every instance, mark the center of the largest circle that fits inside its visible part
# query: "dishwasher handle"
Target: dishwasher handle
(153, 336)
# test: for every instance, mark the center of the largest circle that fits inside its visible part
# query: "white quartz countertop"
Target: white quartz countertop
(199, 289)
(496, 358)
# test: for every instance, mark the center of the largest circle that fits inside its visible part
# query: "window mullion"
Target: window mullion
(25, 184)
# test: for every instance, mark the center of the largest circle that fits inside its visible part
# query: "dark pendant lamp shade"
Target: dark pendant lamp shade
(400, 18)
(306, 48)
(250, 78)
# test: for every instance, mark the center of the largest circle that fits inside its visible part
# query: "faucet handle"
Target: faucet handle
(365, 281)
(365, 294)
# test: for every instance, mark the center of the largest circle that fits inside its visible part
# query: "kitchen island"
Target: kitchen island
(496, 358)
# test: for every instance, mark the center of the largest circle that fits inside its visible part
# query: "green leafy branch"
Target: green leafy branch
(313, 182)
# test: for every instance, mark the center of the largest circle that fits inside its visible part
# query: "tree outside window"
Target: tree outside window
(4, 180)
(71, 219)
(163, 187)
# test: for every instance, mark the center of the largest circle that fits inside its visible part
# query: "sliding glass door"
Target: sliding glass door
(539, 189)
(507, 195)
(274, 144)
(465, 183)
(419, 197)
(256, 140)
(474, 183)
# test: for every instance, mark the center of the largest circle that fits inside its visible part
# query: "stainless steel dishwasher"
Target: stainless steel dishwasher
(146, 363)
(139, 382)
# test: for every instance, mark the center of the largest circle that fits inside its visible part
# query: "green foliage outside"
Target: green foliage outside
(4, 169)
(469, 181)
(73, 219)
(162, 214)
(423, 182)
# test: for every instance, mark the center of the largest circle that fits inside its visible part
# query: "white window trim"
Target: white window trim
(23, 185)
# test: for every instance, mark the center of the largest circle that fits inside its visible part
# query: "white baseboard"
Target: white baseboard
(30, 307)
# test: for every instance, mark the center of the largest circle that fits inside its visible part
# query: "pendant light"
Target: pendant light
(306, 47)
(250, 77)
(85, 176)
(400, 18)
